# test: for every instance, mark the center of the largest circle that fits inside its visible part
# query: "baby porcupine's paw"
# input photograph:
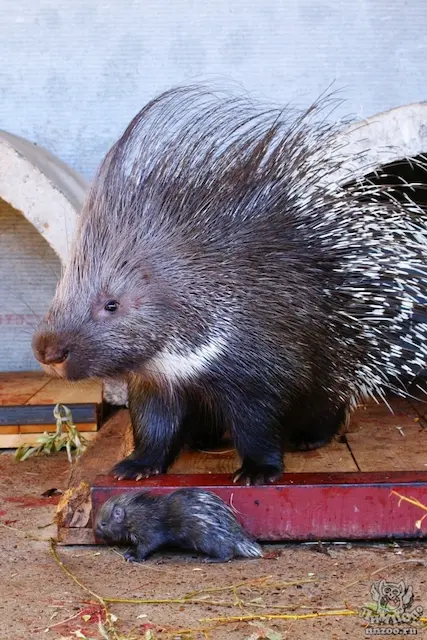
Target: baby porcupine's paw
(133, 556)
(251, 473)
(134, 469)
(130, 556)
(216, 559)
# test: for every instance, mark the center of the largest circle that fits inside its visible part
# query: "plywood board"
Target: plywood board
(82, 392)
(12, 441)
(384, 440)
(387, 448)
(335, 457)
(50, 428)
(18, 388)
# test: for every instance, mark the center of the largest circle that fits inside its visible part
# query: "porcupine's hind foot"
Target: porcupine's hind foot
(256, 435)
(314, 433)
(203, 428)
(303, 443)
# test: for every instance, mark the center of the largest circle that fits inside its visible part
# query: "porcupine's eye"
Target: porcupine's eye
(111, 306)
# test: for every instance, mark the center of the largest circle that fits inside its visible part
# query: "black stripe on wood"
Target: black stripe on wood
(43, 414)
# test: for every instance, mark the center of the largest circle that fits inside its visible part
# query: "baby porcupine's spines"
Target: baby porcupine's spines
(248, 548)
(217, 518)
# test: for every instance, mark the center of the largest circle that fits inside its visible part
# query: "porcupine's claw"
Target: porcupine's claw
(130, 469)
(251, 474)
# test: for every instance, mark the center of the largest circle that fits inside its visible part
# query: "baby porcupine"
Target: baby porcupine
(190, 519)
(222, 267)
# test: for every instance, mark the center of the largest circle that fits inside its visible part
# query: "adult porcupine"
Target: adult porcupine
(186, 518)
(218, 265)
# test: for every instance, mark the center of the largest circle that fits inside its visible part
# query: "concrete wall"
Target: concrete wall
(72, 74)
(28, 272)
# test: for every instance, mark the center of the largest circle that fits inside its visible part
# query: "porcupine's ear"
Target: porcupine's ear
(118, 513)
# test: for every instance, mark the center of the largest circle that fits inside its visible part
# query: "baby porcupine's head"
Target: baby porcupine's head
(110, 524)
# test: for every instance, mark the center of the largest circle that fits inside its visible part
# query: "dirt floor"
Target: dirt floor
(39, 600)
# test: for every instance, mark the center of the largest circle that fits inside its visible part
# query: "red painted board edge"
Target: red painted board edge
(304, 506)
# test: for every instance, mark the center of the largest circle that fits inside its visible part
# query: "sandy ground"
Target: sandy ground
(37, 596)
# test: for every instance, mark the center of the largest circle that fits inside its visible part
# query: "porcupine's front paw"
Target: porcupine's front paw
(136, 469)
(251, 473)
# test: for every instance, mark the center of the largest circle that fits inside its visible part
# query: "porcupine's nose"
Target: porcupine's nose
(49, 349)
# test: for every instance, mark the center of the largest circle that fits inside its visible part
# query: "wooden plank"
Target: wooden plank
(6, 429)
(334, 457)
(16, 388)
(83, 427)
(43, 414)
(384, 448)
(383, 441)
(57, 390)
(304, 506)
(12, 441)
(75, 535)
(402, 413)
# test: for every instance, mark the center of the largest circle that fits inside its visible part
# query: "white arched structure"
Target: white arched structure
(384, 138)
(43, 188)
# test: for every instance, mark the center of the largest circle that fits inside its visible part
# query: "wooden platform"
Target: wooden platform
(27, 401)
(341, 491)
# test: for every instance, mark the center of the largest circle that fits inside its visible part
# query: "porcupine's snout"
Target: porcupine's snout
(52, 351)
